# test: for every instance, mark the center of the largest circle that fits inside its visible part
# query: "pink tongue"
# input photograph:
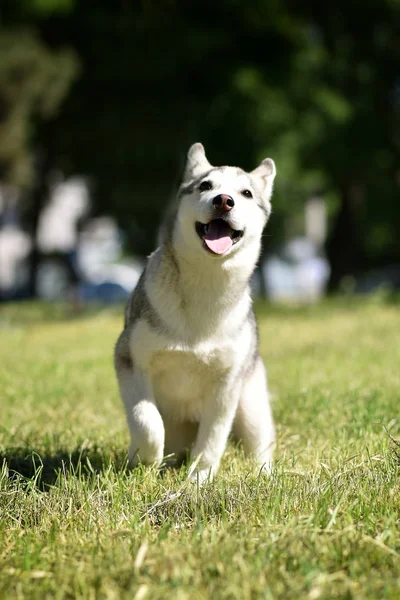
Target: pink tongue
(218, 236)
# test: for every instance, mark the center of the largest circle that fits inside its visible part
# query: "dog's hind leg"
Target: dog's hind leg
(253, 422)
(144, 420)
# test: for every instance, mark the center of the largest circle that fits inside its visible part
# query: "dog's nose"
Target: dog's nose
(224, 202)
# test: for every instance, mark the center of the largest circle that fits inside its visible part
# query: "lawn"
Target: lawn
(76, 523)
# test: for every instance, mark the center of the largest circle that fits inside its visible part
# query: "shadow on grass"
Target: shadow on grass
(43, 470)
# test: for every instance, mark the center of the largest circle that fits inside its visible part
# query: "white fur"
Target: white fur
(187, 388)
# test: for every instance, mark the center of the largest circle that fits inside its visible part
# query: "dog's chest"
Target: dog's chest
(183, 380)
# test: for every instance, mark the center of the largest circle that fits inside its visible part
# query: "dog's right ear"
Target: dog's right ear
(196, 162)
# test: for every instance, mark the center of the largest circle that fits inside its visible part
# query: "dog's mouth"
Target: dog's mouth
(217, 235)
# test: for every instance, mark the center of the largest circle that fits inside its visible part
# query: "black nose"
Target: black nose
(224, 202)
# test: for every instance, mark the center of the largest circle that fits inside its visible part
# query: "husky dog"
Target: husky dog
(187, 360)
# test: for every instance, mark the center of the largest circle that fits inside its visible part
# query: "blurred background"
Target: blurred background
(99, 102)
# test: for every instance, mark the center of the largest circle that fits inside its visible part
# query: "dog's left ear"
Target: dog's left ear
(196, 163)
(266, 170)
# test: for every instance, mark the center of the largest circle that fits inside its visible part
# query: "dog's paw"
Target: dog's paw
(201, 476)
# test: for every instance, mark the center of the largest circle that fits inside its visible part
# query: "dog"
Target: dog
(187, 361)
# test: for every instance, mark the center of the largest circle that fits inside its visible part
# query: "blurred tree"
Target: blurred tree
(155, 79)
(332, 123)
(314, 86)
(357, 146)
(34, 81)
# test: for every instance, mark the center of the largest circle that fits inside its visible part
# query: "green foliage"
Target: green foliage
(43, 8)
(33, 83)
(314, 86)
(75, 522)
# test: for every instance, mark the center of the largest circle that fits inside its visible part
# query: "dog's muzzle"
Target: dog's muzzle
(217, 235)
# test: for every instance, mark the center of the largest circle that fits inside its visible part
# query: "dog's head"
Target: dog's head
(222, 210)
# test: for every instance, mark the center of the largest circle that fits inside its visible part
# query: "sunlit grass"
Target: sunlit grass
(76, 523)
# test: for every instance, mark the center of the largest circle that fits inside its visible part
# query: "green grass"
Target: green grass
(76, 523)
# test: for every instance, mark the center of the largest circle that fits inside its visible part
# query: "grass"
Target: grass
(76, 523)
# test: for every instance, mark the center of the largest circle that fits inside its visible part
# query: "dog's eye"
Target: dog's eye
(247, 193)
(205, 185)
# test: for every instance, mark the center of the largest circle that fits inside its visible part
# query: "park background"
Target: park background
(99, 102)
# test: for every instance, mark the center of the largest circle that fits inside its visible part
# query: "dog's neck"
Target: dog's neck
(220, 284)
(203, 297)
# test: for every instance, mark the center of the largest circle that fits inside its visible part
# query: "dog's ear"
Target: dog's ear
(196, 162)
(266, 170)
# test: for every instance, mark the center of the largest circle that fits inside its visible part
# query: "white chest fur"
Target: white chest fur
(184, 377)
(183, 381)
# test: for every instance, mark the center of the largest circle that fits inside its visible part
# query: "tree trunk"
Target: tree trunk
(342, 247)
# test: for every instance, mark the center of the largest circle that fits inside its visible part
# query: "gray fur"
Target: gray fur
(139, 307)
(262, 207)
(122, 354)
(188, 188)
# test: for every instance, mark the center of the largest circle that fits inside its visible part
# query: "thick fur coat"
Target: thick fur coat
(187, 360)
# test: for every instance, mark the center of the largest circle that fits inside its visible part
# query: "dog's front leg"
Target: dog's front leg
(214, 428)
(144, 420)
